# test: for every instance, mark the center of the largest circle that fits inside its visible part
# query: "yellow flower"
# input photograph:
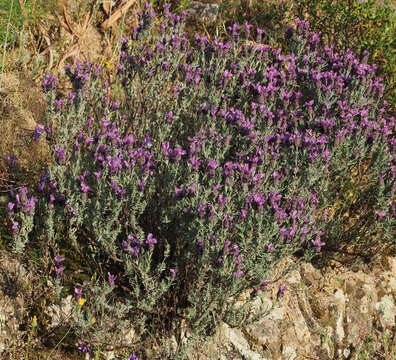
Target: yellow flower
(34, 322)
(106, 63)
(93, 319)
(81, 301)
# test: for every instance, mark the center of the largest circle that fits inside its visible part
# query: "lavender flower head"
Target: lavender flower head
(174, 272)
(11, 161)
(111, 279)
(78, 292)
(38, 132)
(150, 241)
(10, 207)
(59, 270)
(281, 291)
(49, 83)
(84, 348)
(59, 259)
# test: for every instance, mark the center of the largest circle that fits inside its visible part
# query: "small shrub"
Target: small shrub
(215, 162)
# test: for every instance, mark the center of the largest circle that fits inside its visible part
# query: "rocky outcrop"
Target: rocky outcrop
(13, 302)
(323, 314)
(200, 12)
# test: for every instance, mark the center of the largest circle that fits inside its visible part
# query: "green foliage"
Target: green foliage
(12, 17)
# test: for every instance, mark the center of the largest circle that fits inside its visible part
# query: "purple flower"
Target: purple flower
(58, 104)
(59, 154)
(89, 140)
(98, 174)
(174, 272)
(29, 205)
(243, 214)
(59, 259)
(117, 188)
(133, 357)
(176, 154)
(226, 246)
(248, 26)
(226, 74)
(10, 206)
(212, 240)
(317, 244)
(53, 185)
(179, 191)
(150, 241)
(59, 270)
(191, 190)
(11, 161)
(195, 163)
(212, 165)
(115, 105)
(23, 191)
(84, 188)
(238, 274)
(71, 96)
(222, 200)
(84, 348)
(141, 184)
(270, 247)
(111, 278)
(147, 141)
(238, 260)
(380, 214)
(49, 83)
(281, 291)
(258, 199)
(169, 115)
(289, 31)
(15, 227)
(201, 210)
(38, 132)
(78, 292)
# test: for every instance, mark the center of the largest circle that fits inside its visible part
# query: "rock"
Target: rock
(59, 314)
(14, 280)
(240, 343)
(319, 316)
(327, 319)
(205, 13)
(386, 311)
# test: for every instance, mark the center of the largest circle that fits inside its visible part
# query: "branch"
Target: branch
(117, 14)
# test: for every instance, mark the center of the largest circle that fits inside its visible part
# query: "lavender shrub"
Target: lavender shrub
(218, 160)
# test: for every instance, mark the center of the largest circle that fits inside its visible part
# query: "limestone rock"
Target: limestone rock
(321, 316)
(205, 13)
(13, 302)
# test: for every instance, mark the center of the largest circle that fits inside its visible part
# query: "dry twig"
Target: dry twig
(122, 9)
